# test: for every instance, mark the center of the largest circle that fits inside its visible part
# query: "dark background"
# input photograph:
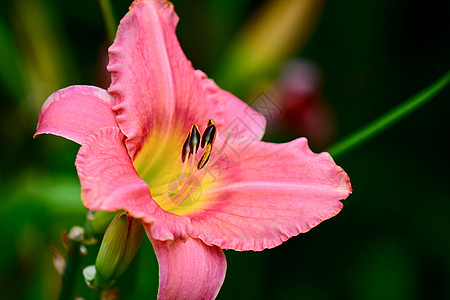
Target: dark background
(391, 241)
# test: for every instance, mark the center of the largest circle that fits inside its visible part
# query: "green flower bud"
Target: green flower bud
(112, 247)
(133, 243)
(119, 246)
(99, 221)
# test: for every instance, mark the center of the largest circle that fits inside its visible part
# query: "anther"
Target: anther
(194, 139)
(209, 135)
(186, 148)
(205, 156)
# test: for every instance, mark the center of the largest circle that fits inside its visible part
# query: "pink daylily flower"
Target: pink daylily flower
(249, 195)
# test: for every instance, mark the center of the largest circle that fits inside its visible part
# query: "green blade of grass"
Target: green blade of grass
(390, 118)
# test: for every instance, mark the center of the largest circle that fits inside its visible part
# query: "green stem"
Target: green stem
(109, 19)
(390, 118)
(70, 272)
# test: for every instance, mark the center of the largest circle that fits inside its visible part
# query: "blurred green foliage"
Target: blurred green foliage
(391, 239)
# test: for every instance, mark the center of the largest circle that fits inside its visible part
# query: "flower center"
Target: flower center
(185, 189)
(176, 185)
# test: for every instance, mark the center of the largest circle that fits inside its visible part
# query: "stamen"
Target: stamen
(177, 182)
(192, 168)
(194, 139)
(221, 150)
(188, 189)
(181, 180)
(186, 148)
(199, 175)
(205, 156)
(209, 135)
(192, 181)
(201, 172)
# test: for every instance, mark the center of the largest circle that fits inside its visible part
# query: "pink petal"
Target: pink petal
(109, 182)
(245, 124)
(267, 194)
(76, 112)
(157, 90)
(189, 270)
